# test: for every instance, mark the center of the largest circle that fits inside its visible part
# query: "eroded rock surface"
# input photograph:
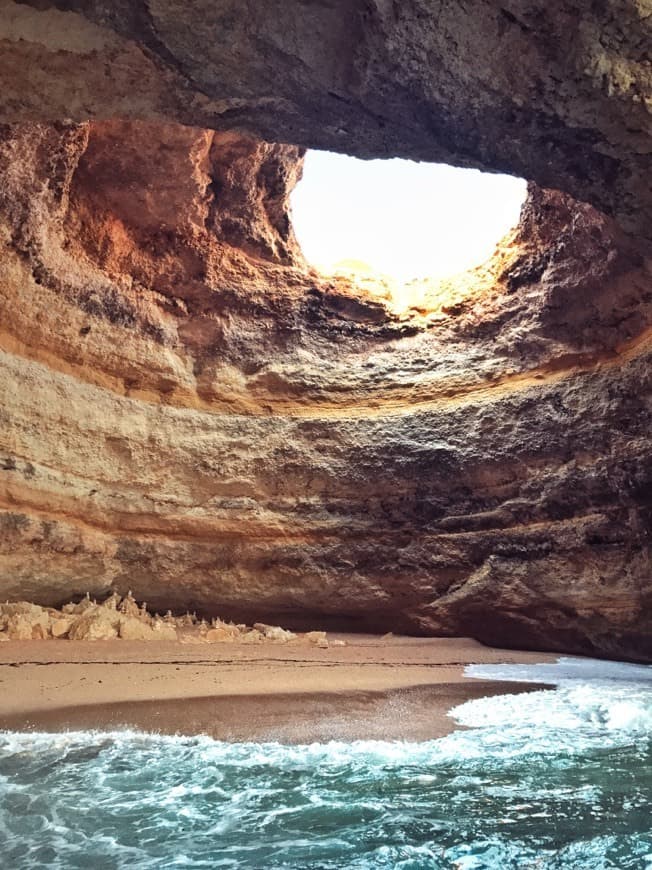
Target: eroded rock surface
(558, 93)
(124, 619)
(190, 413)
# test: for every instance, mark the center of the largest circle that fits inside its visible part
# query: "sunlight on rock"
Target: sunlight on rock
(398, 228)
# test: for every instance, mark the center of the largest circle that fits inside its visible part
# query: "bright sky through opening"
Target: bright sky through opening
(403, 219)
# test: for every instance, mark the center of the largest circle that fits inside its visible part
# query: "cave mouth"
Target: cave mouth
(398, 224)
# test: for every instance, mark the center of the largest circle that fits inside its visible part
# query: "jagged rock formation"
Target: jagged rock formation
(189, 412)
(559, 94)
(124, 618)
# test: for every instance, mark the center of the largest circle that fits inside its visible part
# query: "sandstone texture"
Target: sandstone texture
(558, 93)
(122, 618)
(190, 412)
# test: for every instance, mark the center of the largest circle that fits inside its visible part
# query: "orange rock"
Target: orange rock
(95, 624)
(60, 627)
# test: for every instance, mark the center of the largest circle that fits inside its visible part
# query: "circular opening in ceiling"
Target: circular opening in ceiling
(398, 221)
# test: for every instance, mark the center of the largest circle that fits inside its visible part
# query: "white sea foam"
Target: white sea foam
(565, 669)
(556, 778)
(594, 702)
(593, 707)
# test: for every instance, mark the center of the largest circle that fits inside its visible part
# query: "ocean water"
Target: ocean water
(560, 778)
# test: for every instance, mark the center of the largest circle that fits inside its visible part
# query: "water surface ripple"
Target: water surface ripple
(553, 779)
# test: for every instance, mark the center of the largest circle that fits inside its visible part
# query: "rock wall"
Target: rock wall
(189, 412)
(558, 93)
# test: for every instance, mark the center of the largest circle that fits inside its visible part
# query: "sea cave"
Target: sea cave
(220, 435)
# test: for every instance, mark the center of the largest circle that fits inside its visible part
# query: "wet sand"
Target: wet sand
(373, 688)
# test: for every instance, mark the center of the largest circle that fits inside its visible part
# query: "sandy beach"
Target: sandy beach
(374, 687)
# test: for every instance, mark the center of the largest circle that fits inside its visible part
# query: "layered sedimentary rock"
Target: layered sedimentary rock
(558, 93)
(190, 412)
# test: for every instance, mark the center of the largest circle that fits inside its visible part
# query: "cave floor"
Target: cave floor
(373, 688)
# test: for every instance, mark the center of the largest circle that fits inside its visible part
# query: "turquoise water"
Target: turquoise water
(554, 779)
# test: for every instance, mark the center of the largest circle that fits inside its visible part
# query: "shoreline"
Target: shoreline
(383, 688)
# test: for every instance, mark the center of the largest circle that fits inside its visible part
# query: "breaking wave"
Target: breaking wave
(559, 778)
